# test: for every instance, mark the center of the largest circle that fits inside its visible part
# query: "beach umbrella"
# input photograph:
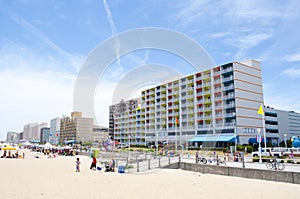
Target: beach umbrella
(8, 147)
(48, 145)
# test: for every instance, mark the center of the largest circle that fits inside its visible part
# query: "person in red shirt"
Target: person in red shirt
(94, 164)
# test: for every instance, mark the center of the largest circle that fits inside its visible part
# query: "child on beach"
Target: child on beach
(94, 164)
(77, 165)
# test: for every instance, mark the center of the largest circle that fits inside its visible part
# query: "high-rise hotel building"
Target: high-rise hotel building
(216, 105)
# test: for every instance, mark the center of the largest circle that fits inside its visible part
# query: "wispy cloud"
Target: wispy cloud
(219, 34)
(11, 42)
(113, 29)
(42, 37)
(246, 42)
(110, 19)
(29, 94)
(292, 72)
(250, 40)
(292, 58)
(72, 60)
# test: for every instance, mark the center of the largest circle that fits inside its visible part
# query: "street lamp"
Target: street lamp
(285, 141)
(156, 144)
(259, 141)
(129, 146)
(186, 144)
(235, 139)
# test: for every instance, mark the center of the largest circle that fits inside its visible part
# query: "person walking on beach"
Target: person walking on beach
(77, 165)
(94, 164)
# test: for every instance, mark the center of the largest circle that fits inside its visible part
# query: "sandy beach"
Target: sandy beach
(56, 178)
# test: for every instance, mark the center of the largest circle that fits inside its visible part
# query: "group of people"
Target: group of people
(9, 154)
(109, 166)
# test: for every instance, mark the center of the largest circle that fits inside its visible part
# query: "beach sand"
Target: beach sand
(56, 178)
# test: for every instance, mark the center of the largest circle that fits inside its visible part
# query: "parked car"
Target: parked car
(122, 145)
(267, 153)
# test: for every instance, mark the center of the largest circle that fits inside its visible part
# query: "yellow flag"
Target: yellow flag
(260, 110)
(138, 107)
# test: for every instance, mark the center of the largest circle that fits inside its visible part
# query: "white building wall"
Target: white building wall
(248, 98)
(54, 131)
(27, 131)
(84, 128)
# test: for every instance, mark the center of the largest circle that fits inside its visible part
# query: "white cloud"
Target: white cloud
(292, 72)
(30, 96)
(220, 34)
(292, 58)
(113, 29)
(249, 40)
(33, 87)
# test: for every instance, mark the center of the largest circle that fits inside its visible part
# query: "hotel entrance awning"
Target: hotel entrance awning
(213, 138)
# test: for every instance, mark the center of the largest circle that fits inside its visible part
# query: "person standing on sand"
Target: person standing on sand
(94, 164)
(77, 165)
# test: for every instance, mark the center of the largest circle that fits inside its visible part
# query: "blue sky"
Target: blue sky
(43, 44)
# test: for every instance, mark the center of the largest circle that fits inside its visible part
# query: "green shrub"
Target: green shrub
(129, 166)
(281, 161)
(263, 159)
(150, 150)
(240, 147)
(298, 162)
(249, 149)
(290, 161)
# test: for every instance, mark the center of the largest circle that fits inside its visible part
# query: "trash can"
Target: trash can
(121, 169)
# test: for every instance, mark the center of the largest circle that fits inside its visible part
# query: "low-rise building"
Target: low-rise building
(76, 129)
(45, 131)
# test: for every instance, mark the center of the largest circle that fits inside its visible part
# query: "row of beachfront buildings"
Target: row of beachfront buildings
(215, 106)
(65, 130)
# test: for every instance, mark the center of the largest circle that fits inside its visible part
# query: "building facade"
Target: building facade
(31, 132)
(100, 134)
(54, 131)
(76, 128)
(121, 107)
(44, 136)
(281, 125)
(216, 105)
(12, 137)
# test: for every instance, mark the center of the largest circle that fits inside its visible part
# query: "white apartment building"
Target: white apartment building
(31, 132)
(54, 131)
(218, 106)
(12, 137)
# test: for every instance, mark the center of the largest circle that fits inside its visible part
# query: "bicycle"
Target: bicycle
(201, 160)
(213, 160)
(276, 165)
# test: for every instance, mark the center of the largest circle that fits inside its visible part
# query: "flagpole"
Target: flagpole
(264, 129)
(175, 137)
(262, 113)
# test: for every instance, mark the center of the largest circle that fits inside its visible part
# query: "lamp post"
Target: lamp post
(285, 141)
(186, 143)
(175, 139)
(259, 141)
(129, 146)
(156, 144)
(235, 139)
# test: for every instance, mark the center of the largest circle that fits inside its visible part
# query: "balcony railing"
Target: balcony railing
(228, 78)
(228, 87)
(227, 70)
